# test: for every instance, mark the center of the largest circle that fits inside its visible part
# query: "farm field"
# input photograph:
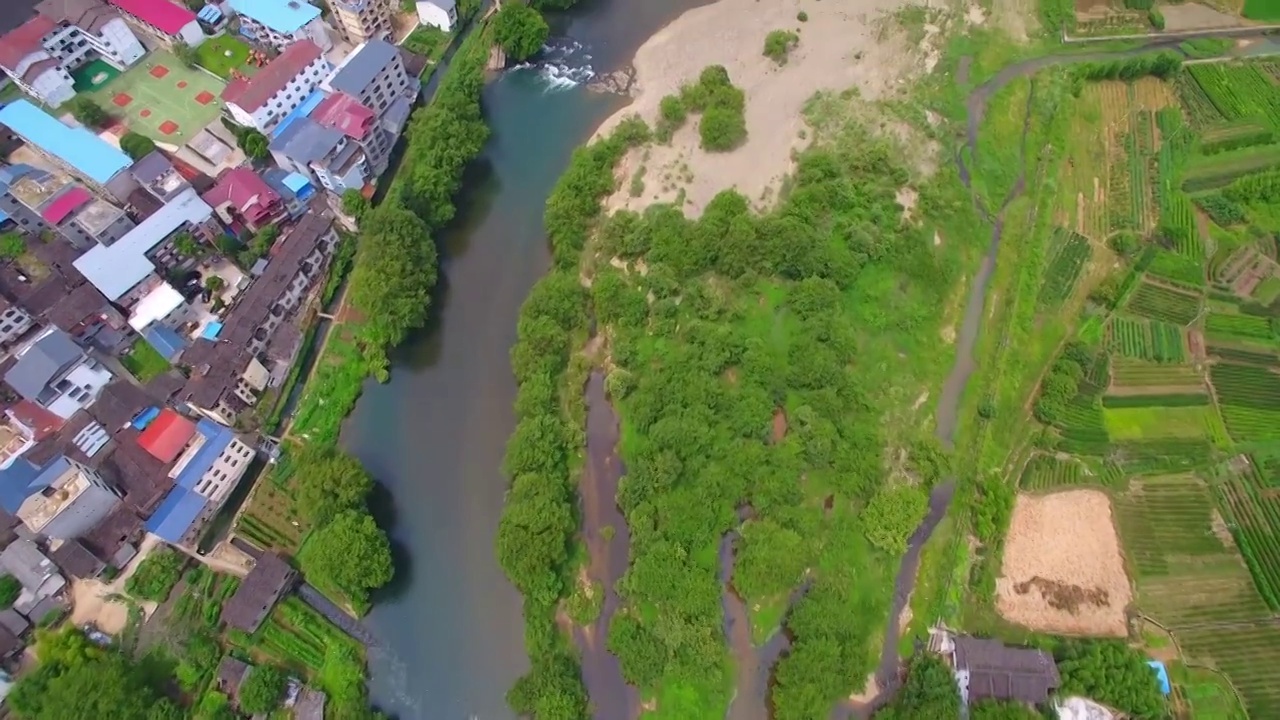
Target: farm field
(1171, 401)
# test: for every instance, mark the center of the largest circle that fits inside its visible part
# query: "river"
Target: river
(450, 628)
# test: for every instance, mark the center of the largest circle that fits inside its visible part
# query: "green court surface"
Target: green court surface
(220, 55)
(161, 98)
(93, 75)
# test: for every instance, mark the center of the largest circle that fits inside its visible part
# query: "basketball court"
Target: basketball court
(159, 97)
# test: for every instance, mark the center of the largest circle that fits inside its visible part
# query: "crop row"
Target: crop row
(1199, 108)
(1254, 522)
(1133, 373)
(1246, 386)
(1046, 471)
(1235, 135)
(1140, 149)
(1170, 400)
(1239, 92)
(1185, 266)
(1222, 326)
(1071, 252)
(1178, 227)
(1160, 303)
(260, 532)
(1243, 356)
(1141, 339)
(288, 645)
(1251, 424)
(1208, 172)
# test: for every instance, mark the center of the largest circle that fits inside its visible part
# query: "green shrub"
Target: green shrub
(802, 16)
(156, 575)
(262, 690)
(778, 43)
(10, 589)
(1156, 18)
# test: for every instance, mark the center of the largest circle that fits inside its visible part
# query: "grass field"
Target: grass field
(220, 55)
(161, 98)
(143, 361)
(1268, 10)
(1159, 422)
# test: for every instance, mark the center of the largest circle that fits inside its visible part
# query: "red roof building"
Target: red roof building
(240, 195)
(163, 15)
(24, 40)
(255, 92)
(345, 114)
(65, 204)
(166, 436)
(41, 422)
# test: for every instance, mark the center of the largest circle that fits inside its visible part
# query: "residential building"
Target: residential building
(374, 74)
(75, 560)
(26, 219)
(442, 14)
(40, 578)
(259, 340)
(990, 670)
(361, 20)
(278, 89)
(168, 22)
(208, 461)
(121, 267)
(85, 155)
(359, 124)
(69, 208)
(325, 154)
(231, 675)
(242, 199)
(279, 23)
(293, 188)
(158, 177)
(14, 322)
(60, 499)
(55, 373)
(270, 579)
(41, 53)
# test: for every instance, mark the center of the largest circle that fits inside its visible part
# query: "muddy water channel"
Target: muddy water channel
(608, 543)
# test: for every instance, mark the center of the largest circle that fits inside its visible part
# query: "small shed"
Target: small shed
(231, 673)
(270, 579)
(12, 621)
(989, 669)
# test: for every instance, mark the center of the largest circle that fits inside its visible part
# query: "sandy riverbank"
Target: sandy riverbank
(843, 44)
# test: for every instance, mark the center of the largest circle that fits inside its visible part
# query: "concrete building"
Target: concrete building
(88, 157)
(166, 21)
(361, 20)
(68, 208)
(374, 74)
(294, 189)
(278, 89)
(14, 322)
(39, 575)
(441, 14)
(118, 270)
(206, 460)
(242, 199)
(280, 23)
(53, 372)
(158, 177)
(61, 499)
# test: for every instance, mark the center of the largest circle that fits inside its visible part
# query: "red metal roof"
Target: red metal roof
(273, 78)
(167, 435)
(248, 193)
(65, 204)
(166, 16)
(40, 421)
(345, 114)
(24, 40)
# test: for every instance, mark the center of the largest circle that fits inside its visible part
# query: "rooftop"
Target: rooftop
(65, 204)
(24, 40)
(97, 216)
(91, 15)
(283, 16)
(246, 192)
(175, 515)
(40, 363)
(270, 578)
(152, 167)
(87, 153)
(306, 141)
(76, 560)
(36, 188)
(167, 16)
(115, 269)
(360, 67)
(254, 93)
(346, 114)
(167, 435)
(156, 305)
(1005, 673)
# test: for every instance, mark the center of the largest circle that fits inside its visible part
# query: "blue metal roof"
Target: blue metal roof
(180, 508)
(283, 16)
(166, 342)
(300, 185)
(24, 478)
(209, 14)
(216, 439)
(144, 418)
(304, 109)
(97, 159)
(211, 331)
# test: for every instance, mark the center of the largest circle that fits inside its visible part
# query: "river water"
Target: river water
(449, 627)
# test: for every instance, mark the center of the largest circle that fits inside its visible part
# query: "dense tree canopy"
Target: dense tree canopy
(87, 111)
(520, 30)
(330, 481)
(135, 145)
(930, 693)
(351, 553)
(1112, 673)
(262, 690)
(892, 515)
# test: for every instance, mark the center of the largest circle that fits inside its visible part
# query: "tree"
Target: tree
(1112, 673)
(329, 481)
(778, 44)
(187, 246)
(214, 283)
(770, 561)
(520, 30)
(254, 144)
(892, 515)
(997, 710)
(354, 203)
(135, 145)
(552, 690)
(12, 246)
(88, 112)
(156, 575)
(352, 554)
(394, 272)
(10, 589)
(929, 693)
(262, 690)
(185, 53)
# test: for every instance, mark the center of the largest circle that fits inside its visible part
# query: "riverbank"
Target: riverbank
(841, 44)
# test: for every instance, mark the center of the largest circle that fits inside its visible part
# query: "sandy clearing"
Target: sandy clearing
(841, 46)
(1193, 16)
(1063, 570)
(93, 602)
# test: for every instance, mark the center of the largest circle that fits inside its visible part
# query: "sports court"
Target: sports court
(161, 98)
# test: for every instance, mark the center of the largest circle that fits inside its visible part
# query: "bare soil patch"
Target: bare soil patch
(1063, 571)
(1194, 16)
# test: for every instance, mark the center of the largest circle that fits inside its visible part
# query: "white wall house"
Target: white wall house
(280, 23)
(278, 89)
(40, 53)
(438, 13)
(166, 21)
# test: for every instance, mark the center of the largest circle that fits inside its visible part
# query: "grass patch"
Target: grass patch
(143, 361)
(220, 55)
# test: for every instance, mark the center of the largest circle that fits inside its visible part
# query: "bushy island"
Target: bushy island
(780, 360)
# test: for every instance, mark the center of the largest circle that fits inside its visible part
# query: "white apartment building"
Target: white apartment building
(361, 20)
(442, 14)
(280, 23)
(279, 88)
(168, 22)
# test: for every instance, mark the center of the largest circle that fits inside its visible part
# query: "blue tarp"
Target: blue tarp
(1162, 675)
(210, 14)
(211, 331)
(144, 418)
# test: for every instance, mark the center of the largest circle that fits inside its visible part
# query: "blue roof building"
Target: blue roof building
(79, 150)
(166, 342)
(82, 498)
(198, 490)
(281, 23)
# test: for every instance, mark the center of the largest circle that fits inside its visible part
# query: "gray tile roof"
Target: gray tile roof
(1001, 672)
(49, 357)
(397, 114)
(306, 141)
(150, 167)
(362, 67)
